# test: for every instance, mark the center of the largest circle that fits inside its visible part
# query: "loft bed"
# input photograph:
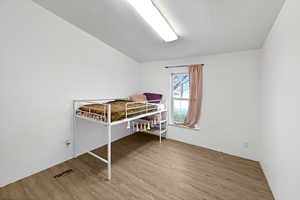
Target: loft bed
(110, 112)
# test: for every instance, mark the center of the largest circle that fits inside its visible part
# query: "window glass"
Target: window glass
(180, 96)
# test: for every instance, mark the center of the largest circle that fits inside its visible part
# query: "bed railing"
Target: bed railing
(87, 113)
(131, 108)
(145, 107)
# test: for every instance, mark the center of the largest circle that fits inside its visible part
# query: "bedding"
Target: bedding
(152, 97)
(118, 109)
(138, 97)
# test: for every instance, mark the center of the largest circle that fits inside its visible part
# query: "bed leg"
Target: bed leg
(160, 128)
(109, 154)
(74, 131)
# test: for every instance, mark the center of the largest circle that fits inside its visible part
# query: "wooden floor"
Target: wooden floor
(143, 169)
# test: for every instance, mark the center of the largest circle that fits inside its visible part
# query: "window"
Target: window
(180, 96)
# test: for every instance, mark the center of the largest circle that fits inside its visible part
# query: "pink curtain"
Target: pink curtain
(196, 84)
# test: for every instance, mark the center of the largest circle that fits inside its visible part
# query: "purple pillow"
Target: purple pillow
(153, 96)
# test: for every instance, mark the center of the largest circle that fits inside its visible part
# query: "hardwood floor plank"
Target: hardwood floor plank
(142, 168)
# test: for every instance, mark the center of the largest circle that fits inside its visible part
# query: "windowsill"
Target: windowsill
(185, 127)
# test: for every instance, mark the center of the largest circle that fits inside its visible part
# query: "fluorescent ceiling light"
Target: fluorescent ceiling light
(154, 18)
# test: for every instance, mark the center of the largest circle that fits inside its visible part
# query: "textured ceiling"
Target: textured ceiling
(204, 26)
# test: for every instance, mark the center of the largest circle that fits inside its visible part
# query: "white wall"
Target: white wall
(281, 104)
(230, 105)
(45, 63)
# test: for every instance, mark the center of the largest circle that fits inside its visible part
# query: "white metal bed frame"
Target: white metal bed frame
(160, 108)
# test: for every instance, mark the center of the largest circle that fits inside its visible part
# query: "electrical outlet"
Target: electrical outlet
(246, 145)
(67, 142)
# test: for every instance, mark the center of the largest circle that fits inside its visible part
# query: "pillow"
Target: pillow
(152, 97)
(138, 97)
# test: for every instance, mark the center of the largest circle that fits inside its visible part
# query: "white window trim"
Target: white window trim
(185, 127)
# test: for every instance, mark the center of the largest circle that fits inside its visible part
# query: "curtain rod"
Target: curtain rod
(178, 66)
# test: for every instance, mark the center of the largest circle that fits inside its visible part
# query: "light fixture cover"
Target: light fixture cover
(154, 18)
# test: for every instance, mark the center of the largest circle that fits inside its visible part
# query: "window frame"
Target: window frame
(175, 98)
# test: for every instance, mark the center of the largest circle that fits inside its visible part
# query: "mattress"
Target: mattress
(118, 109)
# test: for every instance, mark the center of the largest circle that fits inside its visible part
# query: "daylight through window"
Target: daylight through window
(180, 96)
